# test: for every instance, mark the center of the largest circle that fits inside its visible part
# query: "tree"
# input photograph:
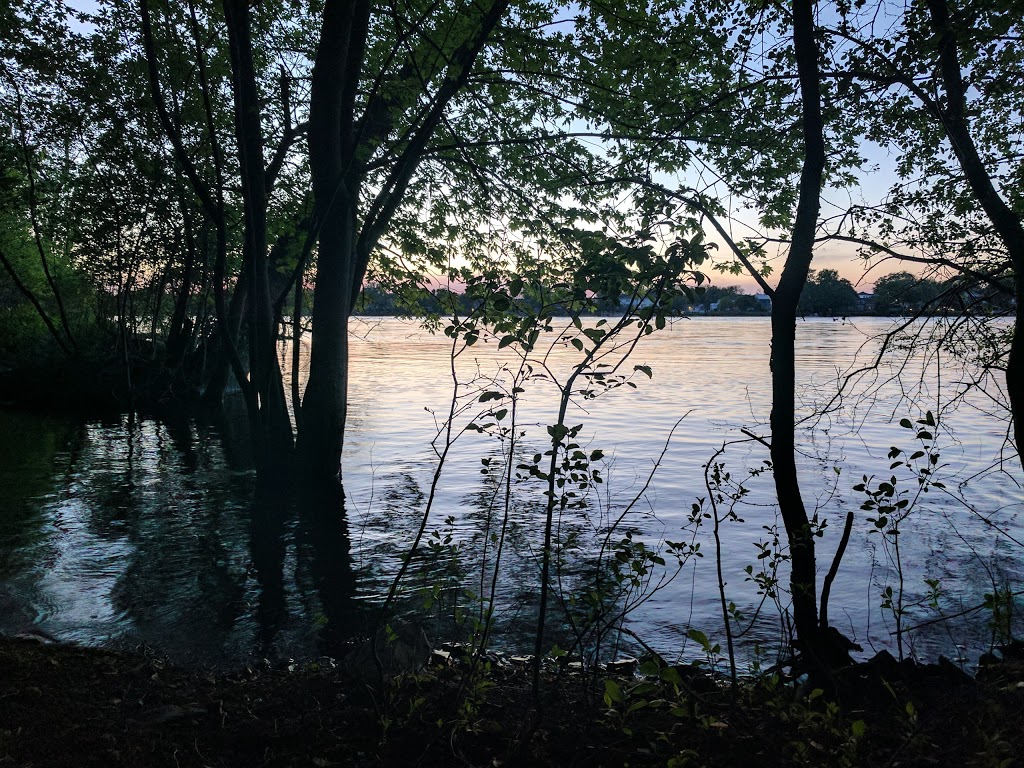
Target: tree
(901, 292)
(785, 302)
(713, 294)
(942, 83)
(261, 384)
(739, 302)
(26, 80)
(431, 100)
(377, 109)
(685, 114)
(828, 294)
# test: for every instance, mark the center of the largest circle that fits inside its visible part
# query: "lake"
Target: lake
(131, 531)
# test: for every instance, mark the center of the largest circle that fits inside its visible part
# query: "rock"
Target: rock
(456, 650)
(884, 664)
(989, 660)
(696, 679)
(35, 635)
(491, 728)
(624, 666)
(1013, 650)
(840, 641)
(441, 658)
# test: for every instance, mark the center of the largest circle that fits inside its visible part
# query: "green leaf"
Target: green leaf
(700, 638)
(671, 675)
(649, 668)
(612, 692)
(643, 689)
(558, 431)
(644, 369)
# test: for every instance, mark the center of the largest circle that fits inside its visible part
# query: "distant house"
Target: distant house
(764, 300)
(626, 300)
(865, 301)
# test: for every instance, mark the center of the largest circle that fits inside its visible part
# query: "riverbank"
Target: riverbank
(64, 706)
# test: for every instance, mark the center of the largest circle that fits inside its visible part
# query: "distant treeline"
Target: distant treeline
(826, 294)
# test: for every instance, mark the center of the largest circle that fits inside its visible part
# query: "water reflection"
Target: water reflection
(122, 531)
(322, 537)
(144, 531)
(268, 545)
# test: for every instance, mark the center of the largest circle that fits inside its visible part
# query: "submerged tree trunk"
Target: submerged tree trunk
(339, 144)
(268, 411)
(325, 404)
(332, 147)
(226, 341)
(803, 575)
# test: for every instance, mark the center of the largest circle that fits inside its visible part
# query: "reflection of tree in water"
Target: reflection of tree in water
(214, 571)
(30, 470)
(167, 489)
(325, 559)
(267, 547)
(183, 587)
(383, 523)
(311, 523)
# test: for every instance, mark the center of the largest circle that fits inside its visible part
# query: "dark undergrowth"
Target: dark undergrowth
(69, 706)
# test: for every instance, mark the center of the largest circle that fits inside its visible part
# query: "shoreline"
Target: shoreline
(65, 705)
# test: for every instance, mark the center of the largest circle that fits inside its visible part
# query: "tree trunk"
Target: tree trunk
(177, 338)
(325, 404)
(803, 575)
(332, 140)
(224, 337)
(268, 412)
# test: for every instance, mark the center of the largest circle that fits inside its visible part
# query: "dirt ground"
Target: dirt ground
(68, 706)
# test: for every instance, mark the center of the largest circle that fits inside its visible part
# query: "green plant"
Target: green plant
(890, 501)
(661, 688)
(1001, 605)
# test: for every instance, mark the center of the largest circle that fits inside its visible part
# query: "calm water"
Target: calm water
(142, 531)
